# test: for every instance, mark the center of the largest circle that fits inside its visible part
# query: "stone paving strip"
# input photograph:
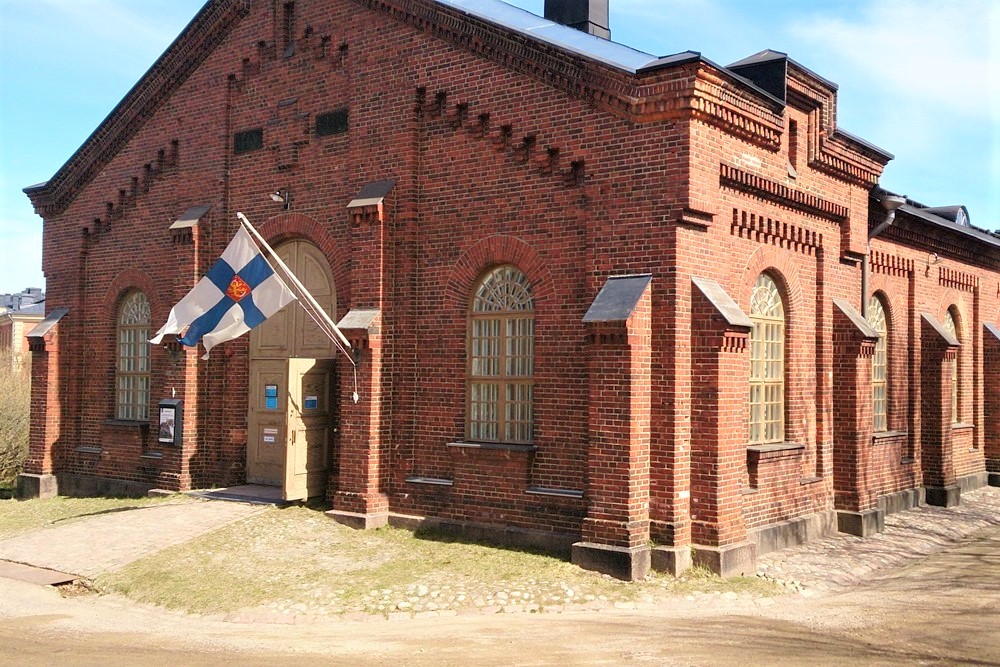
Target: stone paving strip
(845, 560)
(89, 546)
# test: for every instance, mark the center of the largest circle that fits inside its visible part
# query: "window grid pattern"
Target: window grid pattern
(767, 363)
(952, 328)
(880, 366)
(132, 376)
(502, 359)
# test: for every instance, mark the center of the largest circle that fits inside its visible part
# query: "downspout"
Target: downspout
(890, 203)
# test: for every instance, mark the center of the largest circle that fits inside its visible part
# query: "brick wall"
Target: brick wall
(497, 159)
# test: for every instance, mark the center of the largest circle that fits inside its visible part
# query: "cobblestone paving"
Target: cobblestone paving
(103, 543)
(844, 560)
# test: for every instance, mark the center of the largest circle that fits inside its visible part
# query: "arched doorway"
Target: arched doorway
(292, 407)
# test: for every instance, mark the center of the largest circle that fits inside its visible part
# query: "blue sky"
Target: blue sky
(919, 78)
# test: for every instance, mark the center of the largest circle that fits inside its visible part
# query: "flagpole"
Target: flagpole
(298, 284)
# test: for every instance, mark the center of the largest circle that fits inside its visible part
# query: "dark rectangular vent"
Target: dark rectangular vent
(333, 122)
(250, 140)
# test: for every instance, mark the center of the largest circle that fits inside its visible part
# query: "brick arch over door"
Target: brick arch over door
(292, 226)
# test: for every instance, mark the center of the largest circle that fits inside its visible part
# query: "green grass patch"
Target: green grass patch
(297, 561)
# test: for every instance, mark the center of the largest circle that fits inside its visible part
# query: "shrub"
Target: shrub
(15, 412)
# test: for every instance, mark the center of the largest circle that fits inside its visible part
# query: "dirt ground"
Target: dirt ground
(944, 609)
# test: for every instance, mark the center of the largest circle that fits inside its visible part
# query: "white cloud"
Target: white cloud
(936, 53)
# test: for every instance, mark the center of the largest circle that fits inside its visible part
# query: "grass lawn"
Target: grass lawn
(298, 561)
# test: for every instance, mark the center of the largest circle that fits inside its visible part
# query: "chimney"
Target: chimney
(590, 16)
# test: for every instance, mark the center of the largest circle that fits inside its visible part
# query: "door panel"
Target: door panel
(266, 427)
(274, 338)
(290, 435)
(314, 272)
(307, 455)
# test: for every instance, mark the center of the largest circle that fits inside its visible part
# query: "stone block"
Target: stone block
(626, 563)
(861, 524)
(733, 560)
(37, 486)
(671, 560)
(359, 521)
(944, 496)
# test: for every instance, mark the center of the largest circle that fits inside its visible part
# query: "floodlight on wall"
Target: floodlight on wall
(282, 197)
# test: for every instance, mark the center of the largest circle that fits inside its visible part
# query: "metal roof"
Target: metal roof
(564, 37)
(944, 223)
(617, 299)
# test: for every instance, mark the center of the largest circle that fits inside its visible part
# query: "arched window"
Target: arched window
(880, 365)
(132, 369)
(952, 326)
(502, 358)
(767, 363)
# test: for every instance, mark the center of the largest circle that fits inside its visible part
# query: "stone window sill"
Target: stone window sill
(156, 456)
(495, 446)
(431, 481)
(84, 449)
(883, 436)
(774, 451)
(962, 426)
(554, 493)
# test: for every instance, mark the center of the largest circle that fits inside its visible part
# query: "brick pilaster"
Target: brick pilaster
(615, 533)
(853, 348)
(937, 455)
(719, 363)
(991, 379)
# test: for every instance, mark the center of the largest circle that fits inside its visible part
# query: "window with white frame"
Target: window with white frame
(951, 326)
(767, 362)
(132, 359)
(880, 365)
(501, 358)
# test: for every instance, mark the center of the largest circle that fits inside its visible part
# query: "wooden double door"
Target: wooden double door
(292, 406)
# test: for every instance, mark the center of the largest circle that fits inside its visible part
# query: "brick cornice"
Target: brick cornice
(208, 29)
(838, 156)
(765, 188)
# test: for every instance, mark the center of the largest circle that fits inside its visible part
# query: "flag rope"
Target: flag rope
(322, 320)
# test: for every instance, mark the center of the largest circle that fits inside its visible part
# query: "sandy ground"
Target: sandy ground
(944, 609)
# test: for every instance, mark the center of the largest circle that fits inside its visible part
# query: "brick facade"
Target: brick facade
(505, 150)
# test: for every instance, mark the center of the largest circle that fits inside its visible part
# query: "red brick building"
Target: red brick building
(598, 299)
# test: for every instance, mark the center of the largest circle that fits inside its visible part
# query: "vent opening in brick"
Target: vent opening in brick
(250, 140)
(334, 122)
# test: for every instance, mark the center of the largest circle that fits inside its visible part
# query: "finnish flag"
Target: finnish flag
(239, 292)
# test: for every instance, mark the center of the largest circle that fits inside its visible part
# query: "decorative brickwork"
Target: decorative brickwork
(460, 146)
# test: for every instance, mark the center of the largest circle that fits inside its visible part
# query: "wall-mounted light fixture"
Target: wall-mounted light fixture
(282, 197)
(933, 258)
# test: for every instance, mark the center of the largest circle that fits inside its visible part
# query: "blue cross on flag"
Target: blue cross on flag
(239, 292)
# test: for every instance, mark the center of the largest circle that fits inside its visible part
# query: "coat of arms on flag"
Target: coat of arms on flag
(240, 291)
